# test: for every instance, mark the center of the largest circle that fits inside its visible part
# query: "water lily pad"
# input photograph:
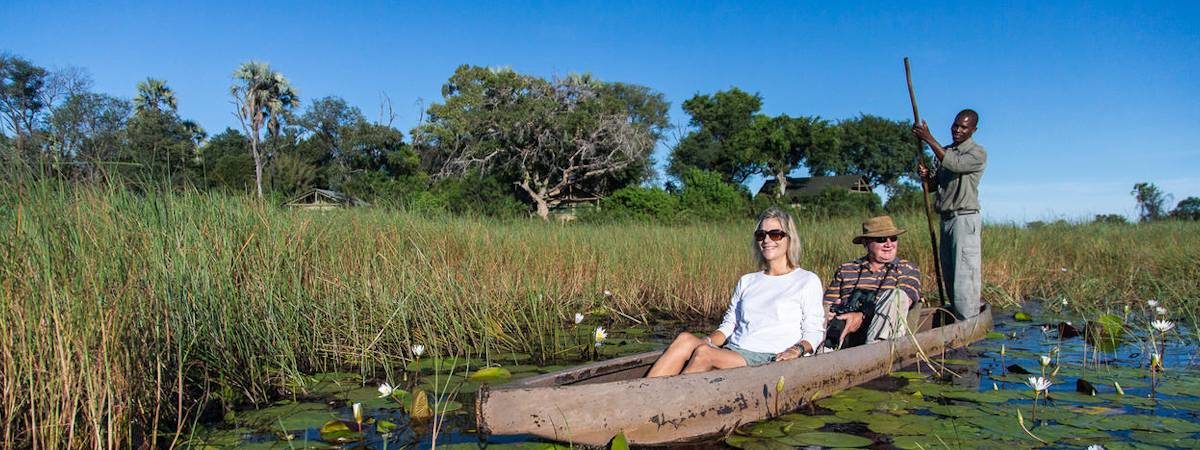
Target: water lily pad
(766, 429)
(288, 415)
(957, 410)
(825, 439)
(1180, 440)
(995, 335)
(754, 443)
(1022, 316)
(804, 422)
(907, 425)
(339, 432)
(491, 374)
(331, 383)
(446, 406)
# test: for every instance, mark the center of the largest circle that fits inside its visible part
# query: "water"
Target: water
(968, 399)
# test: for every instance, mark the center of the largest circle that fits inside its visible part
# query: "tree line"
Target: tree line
(498, 142)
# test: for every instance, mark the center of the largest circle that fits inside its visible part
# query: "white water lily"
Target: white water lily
(1096, 447)
(599, 336)
(385, 390)
(1038, 384)
(1002, 349)
(578, 318)
(1064, 302)
(358, 413)
(995, 387)
(1152, 303)
(1119, 390)
(1160, 310)
(1162, 326)
(1044, 361)
(418, 350)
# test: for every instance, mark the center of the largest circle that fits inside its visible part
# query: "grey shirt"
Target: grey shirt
(958, 176)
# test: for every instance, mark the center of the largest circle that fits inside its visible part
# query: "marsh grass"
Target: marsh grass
(126, 317)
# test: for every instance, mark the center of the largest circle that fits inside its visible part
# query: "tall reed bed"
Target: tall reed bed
(126, 317)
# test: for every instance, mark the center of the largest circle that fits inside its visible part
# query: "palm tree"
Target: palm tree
(262, 96)
(153, 94)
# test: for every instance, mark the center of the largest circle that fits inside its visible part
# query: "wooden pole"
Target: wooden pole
(925, 188)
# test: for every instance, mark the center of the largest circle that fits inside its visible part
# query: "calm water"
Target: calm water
(970, 402)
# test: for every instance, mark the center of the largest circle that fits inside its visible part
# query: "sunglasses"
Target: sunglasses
(775, 235)
(880, 240)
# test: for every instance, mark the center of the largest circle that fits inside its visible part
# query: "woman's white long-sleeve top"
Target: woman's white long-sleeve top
(769, 313)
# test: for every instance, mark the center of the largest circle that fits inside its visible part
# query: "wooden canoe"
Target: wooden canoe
(589, 404)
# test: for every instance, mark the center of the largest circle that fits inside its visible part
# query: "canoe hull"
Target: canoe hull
(652, 411)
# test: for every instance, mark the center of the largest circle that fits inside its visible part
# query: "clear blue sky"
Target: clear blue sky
(1078, 101)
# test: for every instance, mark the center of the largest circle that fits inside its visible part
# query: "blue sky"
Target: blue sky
(1078, 101)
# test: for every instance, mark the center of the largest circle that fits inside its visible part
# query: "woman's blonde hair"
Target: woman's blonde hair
(789, 227)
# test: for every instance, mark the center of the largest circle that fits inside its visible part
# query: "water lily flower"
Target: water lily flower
(1119, 390)
(1160, 310)
(1096, 447)
(599, 336)
(358, 413)
(578, 318)
(418, 350)
(1038, 384)
(1002, 349)
(1163, 326)
(1064, 302)
(1044, 361)
(995, 387)
(385, 390)
(779, 385)
(1152, 303)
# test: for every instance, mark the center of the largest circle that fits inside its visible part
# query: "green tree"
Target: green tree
(706, 196)
(22, 99)
(717, 119)
(880, 149)
(560, 141)
(905, 197)
(89, 127)
(225, 162)
(262, 96)
(1114, 219)
(154, 94)
(1187, 209)
(1150, 200)
(780, 144)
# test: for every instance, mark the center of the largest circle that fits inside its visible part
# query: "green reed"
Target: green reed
(124, 314)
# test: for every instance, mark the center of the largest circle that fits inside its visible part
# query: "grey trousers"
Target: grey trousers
(961, 262)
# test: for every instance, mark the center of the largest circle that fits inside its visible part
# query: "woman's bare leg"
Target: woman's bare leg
(706, 358)
(676, 355)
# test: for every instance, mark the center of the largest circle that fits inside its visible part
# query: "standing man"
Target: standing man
(959, 168)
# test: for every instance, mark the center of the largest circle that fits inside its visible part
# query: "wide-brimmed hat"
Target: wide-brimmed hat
(881, 226)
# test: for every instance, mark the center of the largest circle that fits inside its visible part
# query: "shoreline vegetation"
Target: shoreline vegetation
(128, 318)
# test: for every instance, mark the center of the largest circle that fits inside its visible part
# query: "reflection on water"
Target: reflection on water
(967, 399)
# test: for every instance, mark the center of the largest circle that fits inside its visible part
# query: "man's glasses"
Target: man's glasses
(880, 240)
(774, 234)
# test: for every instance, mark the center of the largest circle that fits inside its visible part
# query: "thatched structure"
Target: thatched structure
(322, 199)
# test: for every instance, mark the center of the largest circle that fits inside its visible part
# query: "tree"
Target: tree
(89, 127)
(779, 144)
(877, 148)
(154, 94)
(717, 118)
(261, 96)
(1151, 201)
(559, 141)
(1187, 209)
(225, 162)
(22, 98)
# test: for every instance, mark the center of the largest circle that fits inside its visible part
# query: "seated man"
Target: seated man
(869, 297)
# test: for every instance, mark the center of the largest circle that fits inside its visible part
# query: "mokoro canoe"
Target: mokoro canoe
(589, 404)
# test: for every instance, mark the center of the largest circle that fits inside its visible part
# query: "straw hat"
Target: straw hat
(881, 226)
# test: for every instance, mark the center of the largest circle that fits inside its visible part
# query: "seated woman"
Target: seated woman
(775, 313)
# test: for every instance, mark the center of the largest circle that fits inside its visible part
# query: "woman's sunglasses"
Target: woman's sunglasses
(774, 234)
(880, 240)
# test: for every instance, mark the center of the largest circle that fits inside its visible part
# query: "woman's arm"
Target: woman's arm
(716, 339)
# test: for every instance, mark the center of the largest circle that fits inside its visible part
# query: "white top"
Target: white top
(769, 313)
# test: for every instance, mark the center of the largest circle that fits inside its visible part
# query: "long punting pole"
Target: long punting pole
(925, 188)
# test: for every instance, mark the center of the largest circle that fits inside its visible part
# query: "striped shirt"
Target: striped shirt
(857, 274)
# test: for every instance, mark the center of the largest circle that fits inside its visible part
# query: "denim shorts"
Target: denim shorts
(752, 358)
